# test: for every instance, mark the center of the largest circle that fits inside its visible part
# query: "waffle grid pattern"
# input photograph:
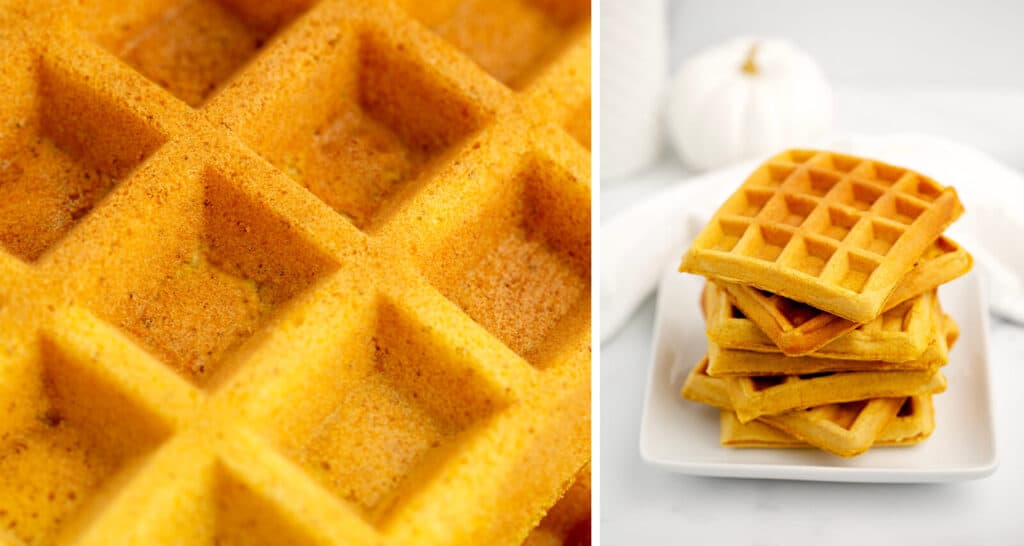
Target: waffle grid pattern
(833, 231)
(798, 329)
(207, 339)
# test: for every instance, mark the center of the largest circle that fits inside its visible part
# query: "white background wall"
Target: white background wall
(962, 44)
(954, 69)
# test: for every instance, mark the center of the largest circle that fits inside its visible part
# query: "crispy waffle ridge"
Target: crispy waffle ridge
(832, 231)
(798, 329)
(294, 273)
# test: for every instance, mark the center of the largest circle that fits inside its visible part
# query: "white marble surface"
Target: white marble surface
(644, 505)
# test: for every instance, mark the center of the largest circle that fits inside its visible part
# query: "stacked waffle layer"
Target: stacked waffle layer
(823, 318)
(294, 272)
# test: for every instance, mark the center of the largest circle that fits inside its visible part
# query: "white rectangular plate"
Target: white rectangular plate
(682, 436)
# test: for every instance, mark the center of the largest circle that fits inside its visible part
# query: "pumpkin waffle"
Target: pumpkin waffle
(752, 397)
(798, 329)
(897, 335)
(832, 231)
(846, 430)
(913, 424)
(732, 362)
(292, 272)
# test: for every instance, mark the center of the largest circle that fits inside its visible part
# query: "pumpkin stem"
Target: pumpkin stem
(749, 66)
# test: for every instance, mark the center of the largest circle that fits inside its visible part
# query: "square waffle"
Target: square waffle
(833, 231)
(798, 329)
(294, 272)
(913, 423)
(752, 397)
(897, 335)
(732, 362)
(846, 429)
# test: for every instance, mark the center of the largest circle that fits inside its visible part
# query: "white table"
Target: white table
(644, 505)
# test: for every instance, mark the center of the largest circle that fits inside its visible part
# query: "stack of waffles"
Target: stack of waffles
(823, 320)
(294, 272)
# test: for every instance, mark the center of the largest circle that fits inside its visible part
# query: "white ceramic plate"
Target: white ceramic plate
(682, 436)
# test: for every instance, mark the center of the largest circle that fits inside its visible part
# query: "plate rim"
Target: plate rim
(803, 472)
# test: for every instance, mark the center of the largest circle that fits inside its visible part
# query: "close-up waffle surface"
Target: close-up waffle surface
(798, 329)
(832, 231)
(294, 272)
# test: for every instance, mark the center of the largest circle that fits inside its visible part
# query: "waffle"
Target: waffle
(798, 329)
(832, 231)
(568, 522)
(898, 335)
(752, 397)
(846, 429)
(913, 424)
(284, 273)
(732, 362)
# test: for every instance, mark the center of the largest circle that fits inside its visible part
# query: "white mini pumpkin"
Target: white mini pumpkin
(746, 98)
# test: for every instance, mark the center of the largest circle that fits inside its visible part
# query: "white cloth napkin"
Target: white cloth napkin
(637, 244)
